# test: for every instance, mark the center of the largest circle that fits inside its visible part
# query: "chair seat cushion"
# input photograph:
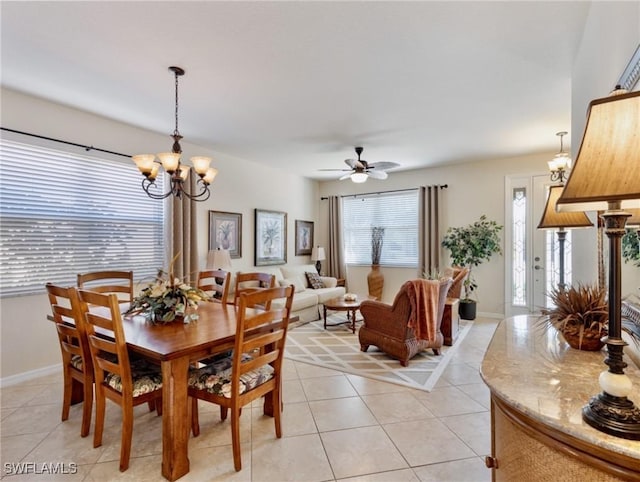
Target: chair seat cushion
(76, 362)
(145, 376)
(216, 377)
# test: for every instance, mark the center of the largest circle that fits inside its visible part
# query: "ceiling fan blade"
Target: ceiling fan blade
(354, 163)
(377, 174)
(384, 165)
(333, 169)
(346, 176)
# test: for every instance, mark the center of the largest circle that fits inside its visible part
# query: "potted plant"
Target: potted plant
(580, 314)
(631, 247)
(469, 246)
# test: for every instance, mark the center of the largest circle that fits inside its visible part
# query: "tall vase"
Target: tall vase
(375, 280)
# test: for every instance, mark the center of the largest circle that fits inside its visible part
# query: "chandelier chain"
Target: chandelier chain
(176, 132)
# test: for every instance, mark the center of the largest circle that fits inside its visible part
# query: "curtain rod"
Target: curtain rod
(441, 186)
(86, 148)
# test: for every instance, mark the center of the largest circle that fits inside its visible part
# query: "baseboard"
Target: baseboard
(30, 375)
(484, 314)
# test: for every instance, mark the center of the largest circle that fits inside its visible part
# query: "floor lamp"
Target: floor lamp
(606, 177)
(551, 219)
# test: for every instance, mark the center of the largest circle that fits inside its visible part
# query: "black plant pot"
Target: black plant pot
(467, 310)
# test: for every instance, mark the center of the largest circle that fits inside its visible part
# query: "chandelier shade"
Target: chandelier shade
(149, 165)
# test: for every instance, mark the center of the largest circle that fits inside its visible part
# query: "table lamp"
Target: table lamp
(317, 255)
(606, 176)
(219, 259)
(551, 219)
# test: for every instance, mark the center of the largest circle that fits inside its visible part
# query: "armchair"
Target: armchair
(459, 275)
(386, 326)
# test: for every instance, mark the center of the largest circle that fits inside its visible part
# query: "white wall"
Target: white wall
(241, 186)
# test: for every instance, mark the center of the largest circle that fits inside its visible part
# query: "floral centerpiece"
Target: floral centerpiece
(167, 299)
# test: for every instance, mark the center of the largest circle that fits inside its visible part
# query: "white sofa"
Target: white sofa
(307, 302)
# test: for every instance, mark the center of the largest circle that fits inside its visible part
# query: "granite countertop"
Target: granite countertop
(534, 370)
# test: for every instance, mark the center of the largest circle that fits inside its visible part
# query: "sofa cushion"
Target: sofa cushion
(314, 280)
(301, 300)
(297, 270)
(298, 284)
(325, 294)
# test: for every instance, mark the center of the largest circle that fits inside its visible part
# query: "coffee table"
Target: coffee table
(340, 304)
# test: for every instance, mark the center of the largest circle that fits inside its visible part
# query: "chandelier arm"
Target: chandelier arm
(146, 184)
(203, 195)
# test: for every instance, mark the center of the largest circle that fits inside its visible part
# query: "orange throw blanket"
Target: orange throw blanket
(423, 296)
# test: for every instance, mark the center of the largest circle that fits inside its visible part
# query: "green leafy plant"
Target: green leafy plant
(471, 245)
(631, 247)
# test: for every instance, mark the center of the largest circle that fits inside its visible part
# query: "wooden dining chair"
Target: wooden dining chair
(253, 370)
(249, 282)
(118, 378)
(77, 367)
(118, 282)
(216, 283)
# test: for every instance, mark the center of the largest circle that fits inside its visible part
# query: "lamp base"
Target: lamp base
(318, 266)
(617, 416)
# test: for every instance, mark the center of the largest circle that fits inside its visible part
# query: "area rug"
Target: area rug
(339, 349)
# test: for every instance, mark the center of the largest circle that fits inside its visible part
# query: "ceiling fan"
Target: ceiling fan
(360, 169)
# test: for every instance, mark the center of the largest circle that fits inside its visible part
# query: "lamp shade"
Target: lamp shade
(607, 168)
(219, 259)
(551, 219)
(317, 254)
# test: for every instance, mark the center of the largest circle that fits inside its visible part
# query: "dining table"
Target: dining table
(175, 346)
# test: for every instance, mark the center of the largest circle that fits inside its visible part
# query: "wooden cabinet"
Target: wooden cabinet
(538, 387)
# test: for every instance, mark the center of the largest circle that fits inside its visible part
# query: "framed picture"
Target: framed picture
(271, 237)
(225, 232)
(304, 237)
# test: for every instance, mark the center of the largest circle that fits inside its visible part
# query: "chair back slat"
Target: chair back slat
(70, 325)
(106, 337)
(251, 282)
(105, 282)
(260, 333)
(216, 283)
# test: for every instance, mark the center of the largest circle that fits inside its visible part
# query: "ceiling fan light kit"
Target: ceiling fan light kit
(360, 170)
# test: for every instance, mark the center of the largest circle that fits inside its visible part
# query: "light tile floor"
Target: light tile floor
(335, 427)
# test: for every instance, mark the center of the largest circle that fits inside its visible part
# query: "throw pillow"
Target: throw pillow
(314, 280)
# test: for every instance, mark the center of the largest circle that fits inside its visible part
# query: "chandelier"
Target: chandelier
(170, 162)
(560, 163)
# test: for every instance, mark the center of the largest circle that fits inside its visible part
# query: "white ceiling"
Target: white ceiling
(298, 84)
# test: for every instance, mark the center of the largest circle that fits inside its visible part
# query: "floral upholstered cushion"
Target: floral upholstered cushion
(216, 377)
(76, 362)
(146, 378)
(314, 280)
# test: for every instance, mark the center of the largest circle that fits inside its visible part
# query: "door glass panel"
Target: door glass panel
(519, 250)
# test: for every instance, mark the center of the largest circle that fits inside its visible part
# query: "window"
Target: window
(397, 213)
(62, 214)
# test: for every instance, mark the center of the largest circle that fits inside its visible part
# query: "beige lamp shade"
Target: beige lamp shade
(551, 219)
(317, 254)
(219, 259)
(607, 168)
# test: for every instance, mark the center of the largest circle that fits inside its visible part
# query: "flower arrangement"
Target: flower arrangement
(167, 299)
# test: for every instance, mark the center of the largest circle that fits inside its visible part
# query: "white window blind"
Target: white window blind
(397, 213)
(62, 214)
